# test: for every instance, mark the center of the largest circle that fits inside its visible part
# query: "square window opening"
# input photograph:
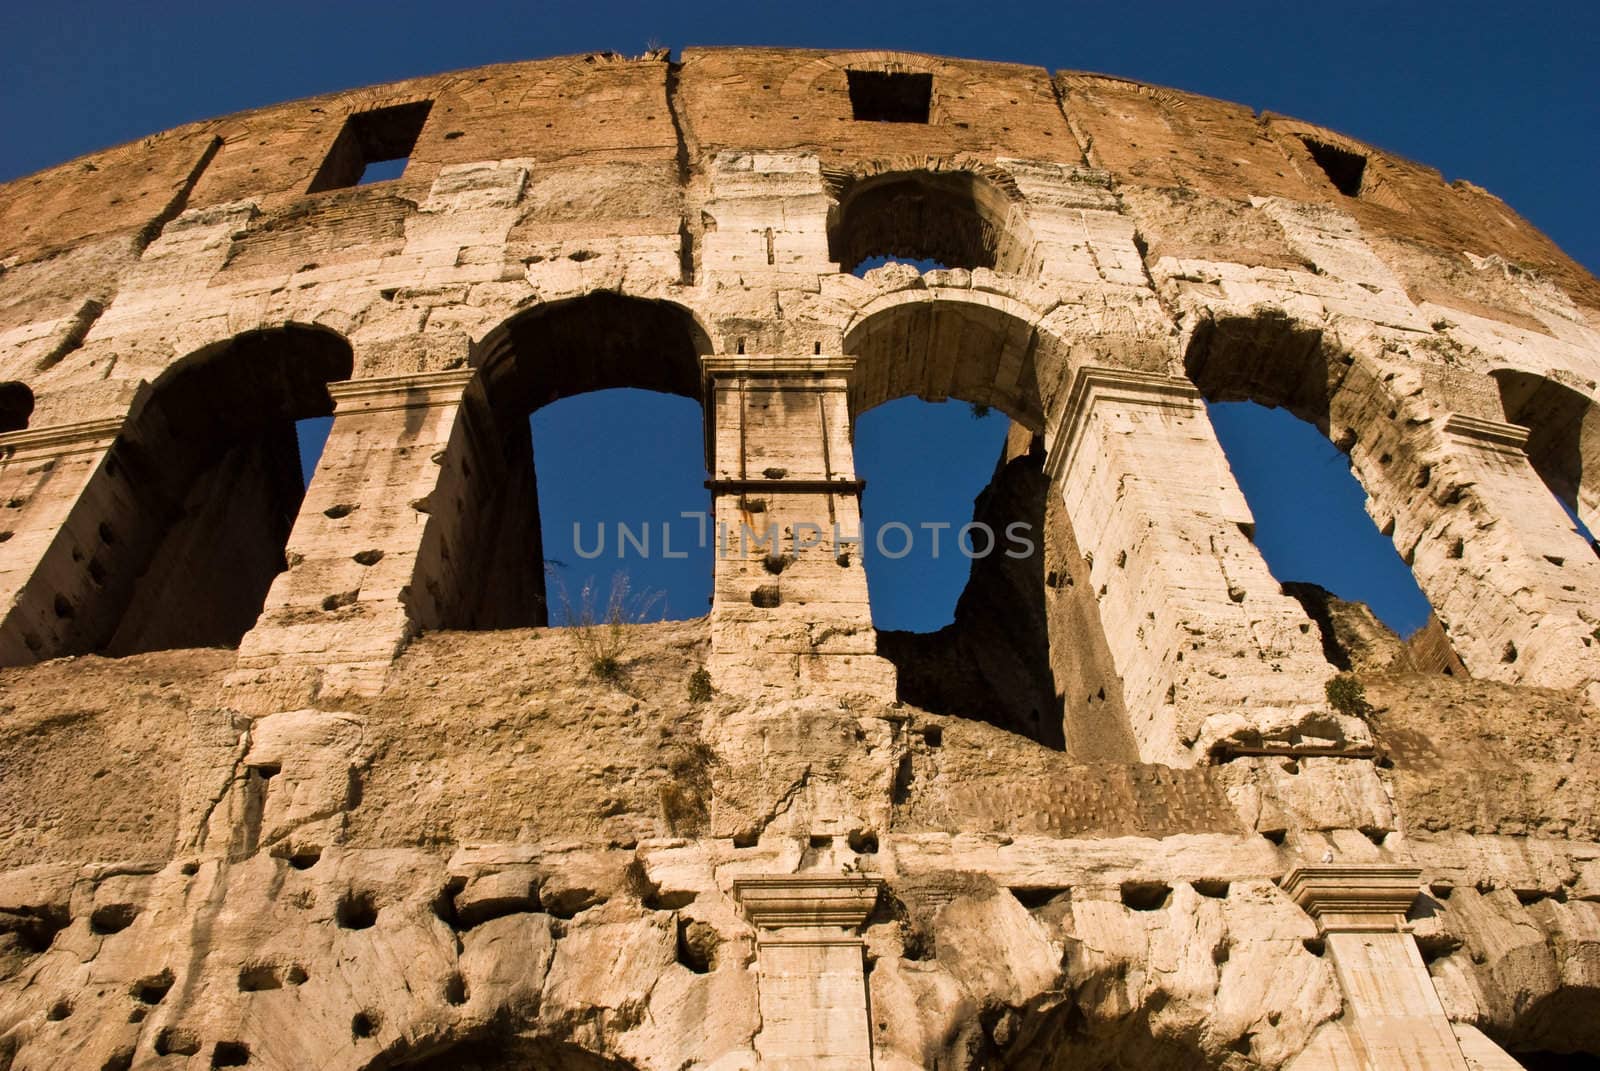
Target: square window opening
(1345, 169)
(890, 97)
(372, 147)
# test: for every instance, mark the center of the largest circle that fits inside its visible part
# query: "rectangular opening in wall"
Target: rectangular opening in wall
(373, 147)
(1343, 167)
(890, 97)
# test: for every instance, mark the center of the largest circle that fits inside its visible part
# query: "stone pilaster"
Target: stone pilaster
(60, 493)
(1394, 1020)
(811, 966)
(365, 547)
(1215, 659)
(789, 604)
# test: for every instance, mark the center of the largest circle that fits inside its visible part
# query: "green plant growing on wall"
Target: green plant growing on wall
(1347, 696)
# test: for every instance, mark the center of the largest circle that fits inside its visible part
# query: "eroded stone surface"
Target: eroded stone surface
(368, 815)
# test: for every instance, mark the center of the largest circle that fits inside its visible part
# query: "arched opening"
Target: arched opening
(1023, 648)
(617, 511)
(193, 506)
(502, 553)
(1268, 386)
(956, 219)
(16, 405)
(1563, 440)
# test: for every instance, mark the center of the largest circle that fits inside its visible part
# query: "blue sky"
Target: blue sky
(1499, 94)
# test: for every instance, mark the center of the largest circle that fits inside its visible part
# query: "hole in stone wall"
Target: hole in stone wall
(177, 1041)
(36, 927)
(890, 96)
(153, 989)
(112, 918)
(455, 990)
(356, 911)
(230, 1054)
(697, 945)
(59, 1011)
(259, 978)
(364, 1024)
(1033, 897)
(16, 405)
(1214, 888)
(863, 841)
(1344, 168)
(299, 858)
(369, 141)
(1145, 895)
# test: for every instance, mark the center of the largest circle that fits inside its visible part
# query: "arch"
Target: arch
(1027, 650)
(1269, 358)
(178, 535)
(1277, 361)
(1563, 436)
(599, 341)
(936, 344)
(16, 405)
(960, 218)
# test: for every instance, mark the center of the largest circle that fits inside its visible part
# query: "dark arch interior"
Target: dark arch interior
(500, 1050)
(935, 350)
(1563, 436)
(1026, 650)
(16, 405)
(954, 217)
(199, 493)
(550, 352)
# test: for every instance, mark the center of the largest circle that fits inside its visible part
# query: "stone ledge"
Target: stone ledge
(789, 901)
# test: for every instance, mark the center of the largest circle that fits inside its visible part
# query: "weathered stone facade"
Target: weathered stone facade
(295, 778)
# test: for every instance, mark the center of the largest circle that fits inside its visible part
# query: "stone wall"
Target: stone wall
(290, 777)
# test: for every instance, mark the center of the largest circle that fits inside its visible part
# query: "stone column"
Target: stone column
(789, 606)
(811, 970)
(366, 556)
(1215, 660)
(1516, 586)
(1393, 1019)
(60, 496)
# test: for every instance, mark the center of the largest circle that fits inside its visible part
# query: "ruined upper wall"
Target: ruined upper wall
(670, 118)
(1157, 138)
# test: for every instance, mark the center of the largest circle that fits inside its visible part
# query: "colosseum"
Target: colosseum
(293, 775)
